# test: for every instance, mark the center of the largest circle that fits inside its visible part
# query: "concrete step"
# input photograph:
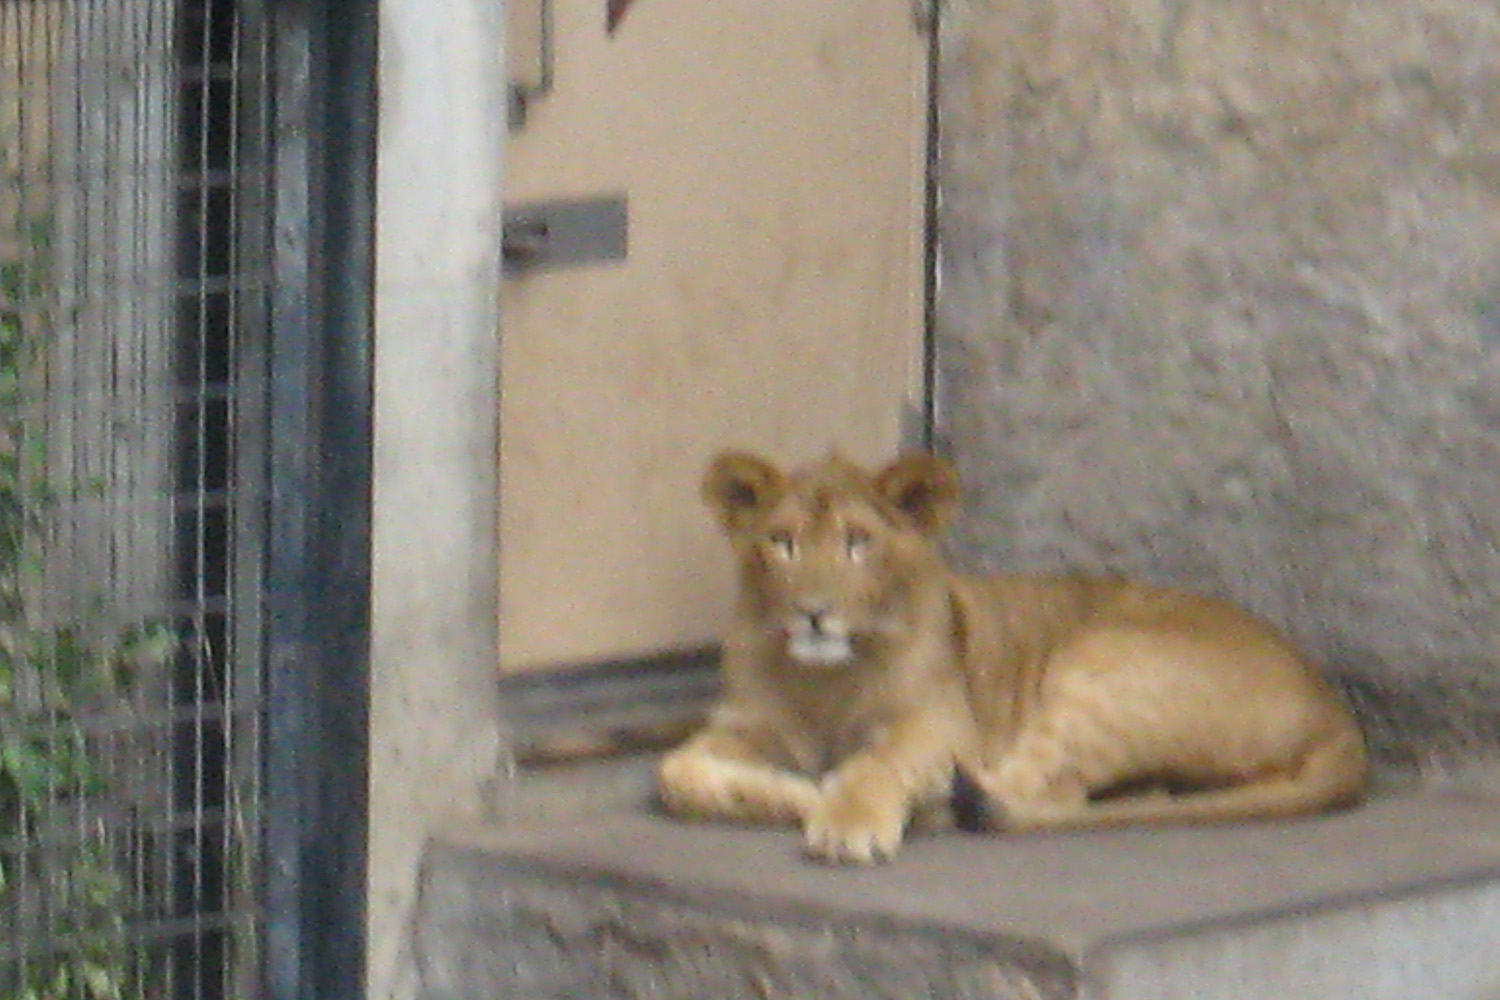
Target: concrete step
(1396, 900)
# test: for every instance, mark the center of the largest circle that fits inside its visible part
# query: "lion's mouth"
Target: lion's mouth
(818, 642)
(820, 650)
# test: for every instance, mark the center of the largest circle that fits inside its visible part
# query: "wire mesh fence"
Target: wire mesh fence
(132, 152)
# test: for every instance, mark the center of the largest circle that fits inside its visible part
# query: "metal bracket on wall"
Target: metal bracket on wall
(528, 29)
(564, 233)
(924, 15)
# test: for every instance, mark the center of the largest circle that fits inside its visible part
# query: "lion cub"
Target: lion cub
(860, 673)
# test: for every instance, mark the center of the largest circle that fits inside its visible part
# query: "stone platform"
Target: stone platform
(1396, 900)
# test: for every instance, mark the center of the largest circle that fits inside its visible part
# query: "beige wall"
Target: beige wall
(773, 153)
(435, 741)
(1220, 287)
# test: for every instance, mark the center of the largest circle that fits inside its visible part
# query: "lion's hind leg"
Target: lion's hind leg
(1026, 792)
(1051, 776)
(1049, 783)
(714, 776)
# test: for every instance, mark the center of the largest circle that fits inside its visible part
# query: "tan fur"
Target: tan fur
(860, 672)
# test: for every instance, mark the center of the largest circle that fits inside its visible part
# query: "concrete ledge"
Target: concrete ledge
(1398, 899)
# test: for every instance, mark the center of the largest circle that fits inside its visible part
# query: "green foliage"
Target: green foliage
(51, 678)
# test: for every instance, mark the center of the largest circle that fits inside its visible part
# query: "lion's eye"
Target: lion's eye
(782, 544)
(856, 543)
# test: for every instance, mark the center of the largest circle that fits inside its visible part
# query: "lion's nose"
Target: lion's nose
(815, 614)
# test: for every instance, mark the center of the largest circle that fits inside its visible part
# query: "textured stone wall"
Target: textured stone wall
(1220, 306)
(485, 929)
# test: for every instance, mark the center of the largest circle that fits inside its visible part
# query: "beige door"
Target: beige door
(772, 155)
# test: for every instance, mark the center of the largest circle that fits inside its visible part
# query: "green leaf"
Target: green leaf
(33, 456)
(103, 983)
(148, 646)
(12, 280)
(28, 767)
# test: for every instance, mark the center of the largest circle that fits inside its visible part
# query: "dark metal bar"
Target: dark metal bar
(143, 933)
(319, 509)
(931, 234)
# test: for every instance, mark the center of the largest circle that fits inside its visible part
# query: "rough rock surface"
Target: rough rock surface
(1393, 901)
(1220, 306)
(578, 937)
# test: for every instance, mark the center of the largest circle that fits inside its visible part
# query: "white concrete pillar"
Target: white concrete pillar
(435, 739)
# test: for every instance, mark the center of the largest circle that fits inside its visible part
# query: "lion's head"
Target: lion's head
(832, 557)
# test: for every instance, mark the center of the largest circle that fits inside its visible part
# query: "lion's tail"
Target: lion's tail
(1331, 775)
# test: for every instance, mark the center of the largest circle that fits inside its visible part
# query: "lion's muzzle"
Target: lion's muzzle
(818, 638)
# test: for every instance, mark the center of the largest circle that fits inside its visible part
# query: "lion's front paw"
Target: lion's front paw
(855, 823)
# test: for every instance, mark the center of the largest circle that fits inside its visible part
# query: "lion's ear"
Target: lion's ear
(923, 487)
(738, 485)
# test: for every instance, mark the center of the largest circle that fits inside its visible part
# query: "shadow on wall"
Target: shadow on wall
(1221, 307)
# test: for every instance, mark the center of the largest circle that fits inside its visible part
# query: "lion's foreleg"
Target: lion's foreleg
(868, 800)
(718, 776)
